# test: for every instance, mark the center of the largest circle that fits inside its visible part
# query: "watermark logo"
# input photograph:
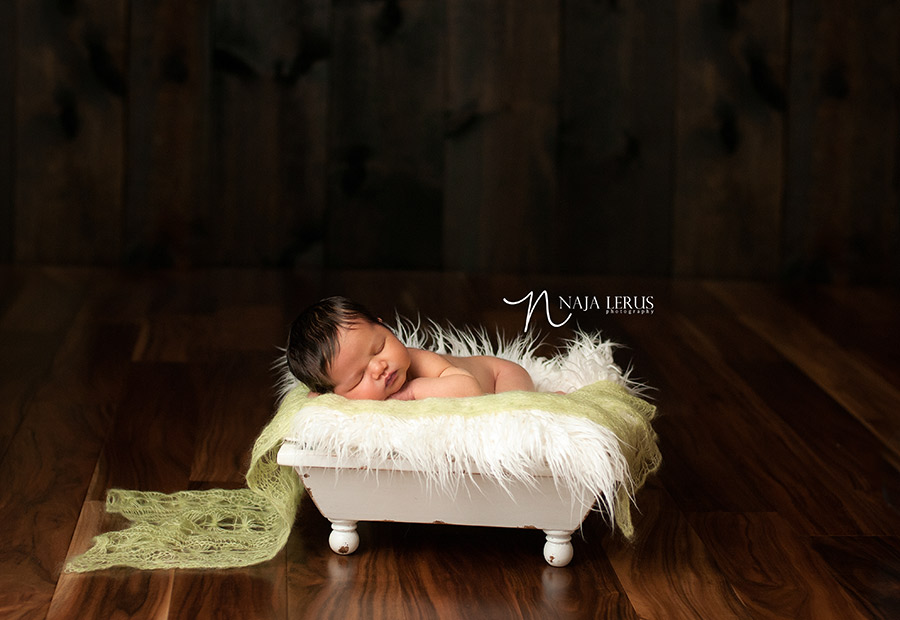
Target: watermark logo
(532, 304)
(569, 304)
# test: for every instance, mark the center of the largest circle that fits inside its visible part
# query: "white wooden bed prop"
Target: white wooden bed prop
(517, 460)
(348, 492)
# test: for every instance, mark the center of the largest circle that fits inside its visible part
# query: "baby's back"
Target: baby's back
(485, 369)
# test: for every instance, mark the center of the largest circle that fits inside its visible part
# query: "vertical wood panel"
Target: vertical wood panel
(501, 147)
(729, 132)
(70, 88)
(620, 137)
(245, 133)
(167, 128)
(386, 135)
(7, 156)
(303, 138)
(250, 219)
(617, 115)
(843, 204)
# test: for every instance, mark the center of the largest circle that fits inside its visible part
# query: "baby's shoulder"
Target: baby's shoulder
(427, 363)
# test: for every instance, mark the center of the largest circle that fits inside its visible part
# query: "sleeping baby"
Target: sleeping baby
(338, 346)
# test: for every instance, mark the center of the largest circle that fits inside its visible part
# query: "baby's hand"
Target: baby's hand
(404, 393)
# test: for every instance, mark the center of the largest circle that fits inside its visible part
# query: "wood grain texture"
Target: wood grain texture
(791, 477)
(774, 500)
(47, 466)
(868, 568)
(385, 132)
(222, 453)
(168, 133)
(266, 152)
(729, 177)
(844, 78)
(303, 139)
(772, 569)
(667, 546)
(857, 319)
(70, 89)
(723, 139)
(423, 571)
(32, 332)
(616, 173)
(149, 448)
(53, 449)
(7, 130)
(11, 282)
(857, 461)
(848, 379)
(253, 592)
(501, 135)
(118, 592)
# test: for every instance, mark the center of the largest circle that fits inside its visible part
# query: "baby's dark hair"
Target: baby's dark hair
(312, 343)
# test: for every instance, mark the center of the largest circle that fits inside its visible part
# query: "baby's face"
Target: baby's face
(371, 363)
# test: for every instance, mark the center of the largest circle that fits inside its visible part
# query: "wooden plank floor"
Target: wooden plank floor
(779, 495)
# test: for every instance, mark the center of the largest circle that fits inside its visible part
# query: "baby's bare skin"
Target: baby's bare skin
(494, 374)
(371, 363)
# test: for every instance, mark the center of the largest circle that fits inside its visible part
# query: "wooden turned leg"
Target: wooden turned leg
(558, 548)
(344, 538)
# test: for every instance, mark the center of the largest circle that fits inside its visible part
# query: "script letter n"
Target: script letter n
(532, 304)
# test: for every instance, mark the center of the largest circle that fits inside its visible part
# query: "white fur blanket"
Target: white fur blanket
(596, 437)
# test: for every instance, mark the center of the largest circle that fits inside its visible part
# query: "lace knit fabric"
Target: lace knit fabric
(217, 528)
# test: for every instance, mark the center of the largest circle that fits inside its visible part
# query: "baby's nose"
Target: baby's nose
(379, 367)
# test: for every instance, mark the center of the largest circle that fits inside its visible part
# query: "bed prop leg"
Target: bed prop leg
(344, 539)
(558, 548)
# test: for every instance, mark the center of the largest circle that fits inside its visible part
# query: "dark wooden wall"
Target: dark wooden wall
(692, 138)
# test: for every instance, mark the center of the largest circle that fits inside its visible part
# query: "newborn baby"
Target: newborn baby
(338, 346)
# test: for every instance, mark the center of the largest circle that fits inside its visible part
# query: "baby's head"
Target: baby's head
(339, 346)
(314, 339)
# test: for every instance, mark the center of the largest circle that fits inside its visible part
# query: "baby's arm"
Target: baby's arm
(434, 376)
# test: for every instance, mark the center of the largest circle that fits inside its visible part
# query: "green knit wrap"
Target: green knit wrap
(216, 528)
(229, 528)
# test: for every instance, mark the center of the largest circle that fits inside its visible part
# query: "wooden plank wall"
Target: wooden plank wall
(843, 166)
(7, 44)
(695, 138)
(69, 92)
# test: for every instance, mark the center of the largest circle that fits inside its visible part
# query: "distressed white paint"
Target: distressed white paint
(397, 492)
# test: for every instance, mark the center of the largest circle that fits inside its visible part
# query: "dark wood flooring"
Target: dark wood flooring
(780, 430)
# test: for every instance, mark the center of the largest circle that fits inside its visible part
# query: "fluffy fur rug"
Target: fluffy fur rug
(597, 439)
